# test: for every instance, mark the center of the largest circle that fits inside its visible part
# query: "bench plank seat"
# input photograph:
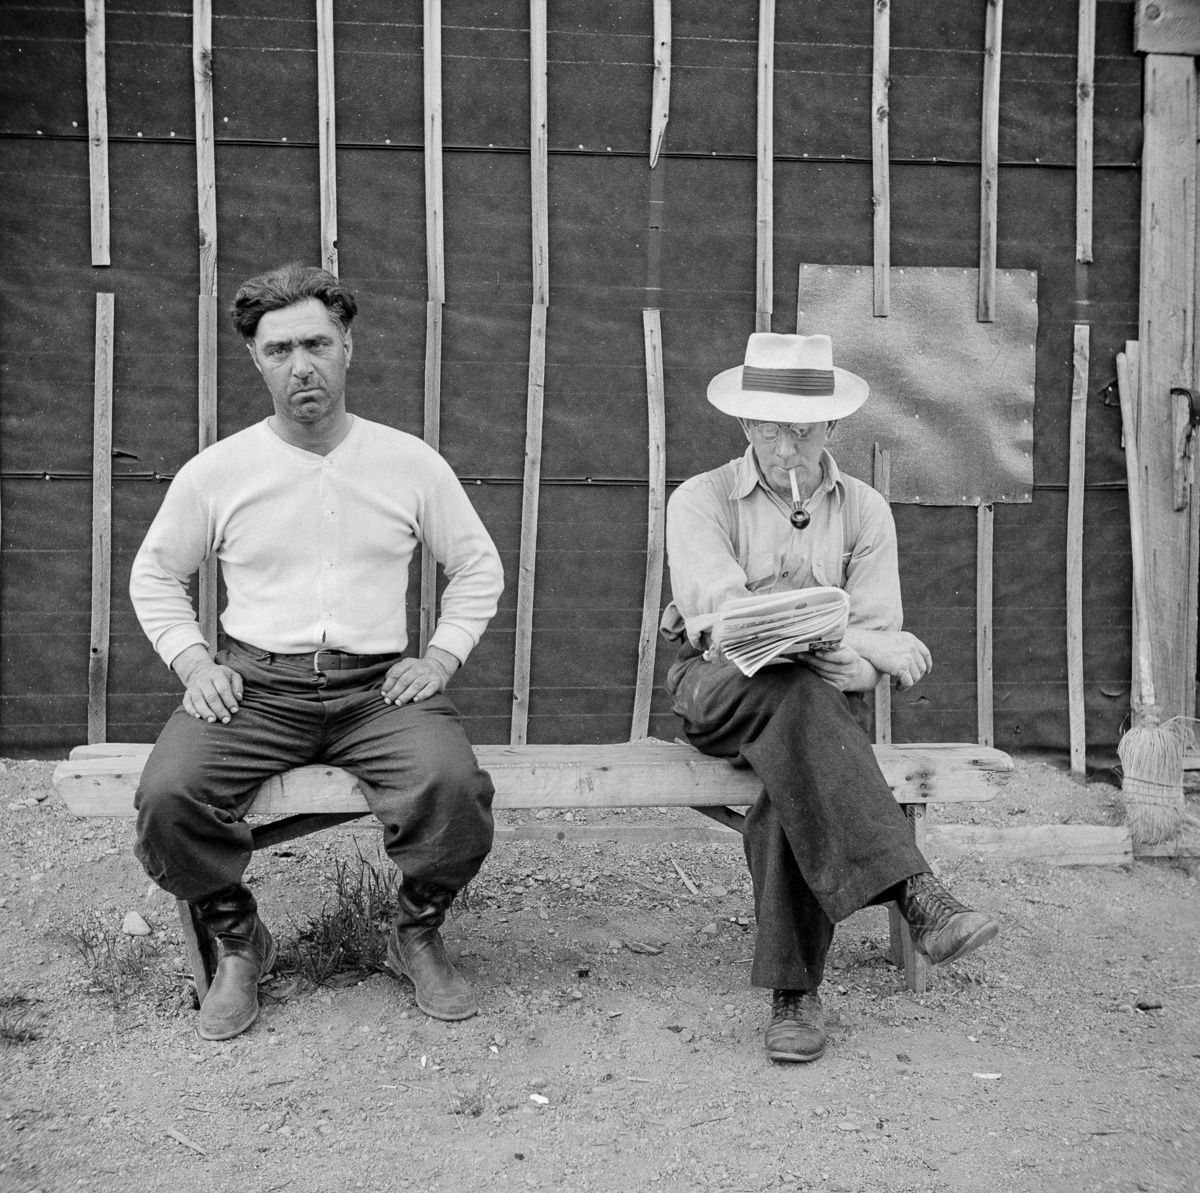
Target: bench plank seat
(101, 780)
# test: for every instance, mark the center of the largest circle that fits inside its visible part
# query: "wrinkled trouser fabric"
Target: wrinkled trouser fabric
(826, 837)
(418, 770)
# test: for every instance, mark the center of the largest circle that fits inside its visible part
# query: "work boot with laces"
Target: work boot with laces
(943, 928)
(245, 954)
(796, 1031)
(416, 951)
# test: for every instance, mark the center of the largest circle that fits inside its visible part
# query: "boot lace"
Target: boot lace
(928, 906)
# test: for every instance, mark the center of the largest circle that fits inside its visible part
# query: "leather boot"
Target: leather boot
(796, 1031)
(415, 951)
(943, 928)
(245, 954)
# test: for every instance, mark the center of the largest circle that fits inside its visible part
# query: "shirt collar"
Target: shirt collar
(748, 478)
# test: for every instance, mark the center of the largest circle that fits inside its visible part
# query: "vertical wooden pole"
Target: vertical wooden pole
(539, 151)
(1085, 106)
(435, 281)
(881, 466)
(881, 193)
(101, 520)
(765, 222)
(206, 205)
(1166, 334)
(97, 105)
(1076, 705)
(984, 585)
(326, 114)
(989, 162)
(655, 523)
(531, 484)
(660, 96)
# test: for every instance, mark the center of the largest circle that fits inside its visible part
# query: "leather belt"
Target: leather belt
(335, 660)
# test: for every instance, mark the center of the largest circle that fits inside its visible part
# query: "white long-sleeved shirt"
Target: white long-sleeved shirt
(315, 550)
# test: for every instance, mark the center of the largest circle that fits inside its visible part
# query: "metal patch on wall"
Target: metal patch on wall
(951, 398)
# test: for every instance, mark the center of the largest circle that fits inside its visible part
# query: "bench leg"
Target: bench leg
(198, 946)
(904, 952)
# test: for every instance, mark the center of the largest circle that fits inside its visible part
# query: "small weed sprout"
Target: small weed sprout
(16, 1019)
(350, 933)
(118, 965)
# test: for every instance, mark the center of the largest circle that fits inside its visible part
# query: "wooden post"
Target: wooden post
(530, 493)
(984, 535)
(1076, 705)
(655, 524)
(97, 105)
(989, 162)
(531, 483)
(765, 222)
(327, 135)
(881, 193)
(1166, 337)
(435, 282)
(101, 520)
(1085, 104)
(881, 461)
(207, 315)
(660, 96)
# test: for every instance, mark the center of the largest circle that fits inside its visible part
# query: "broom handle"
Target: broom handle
(1141, 639)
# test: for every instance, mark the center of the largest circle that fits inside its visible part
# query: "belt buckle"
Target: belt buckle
(317, 659)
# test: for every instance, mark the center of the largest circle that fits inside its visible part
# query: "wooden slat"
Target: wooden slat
(207, 313)
(984, 585)
(1167, 27)
(989, 162)
(660, 97)
(327, 135)
(539, 152)
(432, 435)
(1047, 844)
(206, 174)
(629, 775)
(881, 467)
(655, 523)
(97, 110)
(765, 218)
(881, 184)
(1166, 310)
(1075, 496)
(435, 258)
(434, 197)
(1085, 110)
(530, 494)
(101, 604)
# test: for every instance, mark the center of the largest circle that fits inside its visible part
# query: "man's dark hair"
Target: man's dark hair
(283, 286)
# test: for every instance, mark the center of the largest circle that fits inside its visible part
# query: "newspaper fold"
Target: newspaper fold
(756, 630)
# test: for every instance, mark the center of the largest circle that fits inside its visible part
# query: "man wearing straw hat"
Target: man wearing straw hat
(826, 837)
(314, 514)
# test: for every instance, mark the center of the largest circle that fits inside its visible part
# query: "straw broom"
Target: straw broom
(1151, 753)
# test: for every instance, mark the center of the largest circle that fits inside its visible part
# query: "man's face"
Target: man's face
(779, 447)
(303, 354)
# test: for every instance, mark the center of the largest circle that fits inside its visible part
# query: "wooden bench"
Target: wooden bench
(100, 780)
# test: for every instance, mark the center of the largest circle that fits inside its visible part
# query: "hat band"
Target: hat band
(813, 382)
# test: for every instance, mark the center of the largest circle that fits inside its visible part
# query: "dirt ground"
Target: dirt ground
(619, 1045)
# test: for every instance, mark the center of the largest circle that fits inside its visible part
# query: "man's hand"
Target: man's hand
(212, 690)
(894, 652)
(846, 669)
(418, 679)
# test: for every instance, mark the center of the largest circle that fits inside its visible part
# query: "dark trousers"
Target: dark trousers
(826, 837)
(418, 771)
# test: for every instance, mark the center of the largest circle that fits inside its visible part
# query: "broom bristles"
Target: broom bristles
(1152, 780)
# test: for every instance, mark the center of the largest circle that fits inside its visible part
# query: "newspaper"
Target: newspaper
(756, 630)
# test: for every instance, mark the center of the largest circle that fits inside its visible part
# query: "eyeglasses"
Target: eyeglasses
(769, 432)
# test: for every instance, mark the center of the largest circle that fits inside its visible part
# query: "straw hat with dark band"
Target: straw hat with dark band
(788, 379)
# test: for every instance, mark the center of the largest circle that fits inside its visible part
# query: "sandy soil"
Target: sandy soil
(619, 1047)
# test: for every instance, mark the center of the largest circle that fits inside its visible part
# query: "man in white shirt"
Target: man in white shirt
(314, 515)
